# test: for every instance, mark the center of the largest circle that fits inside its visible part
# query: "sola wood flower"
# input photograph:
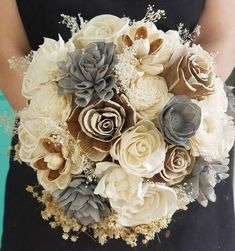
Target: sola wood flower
(55, 164)
(204, 178)
(179, 120)
(140, 150)
(153, 50)
(98, 125)
(191, 76)
(90, 73)
(79, 201)
(178, 163)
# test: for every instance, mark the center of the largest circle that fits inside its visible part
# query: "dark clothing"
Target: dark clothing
(198, 229)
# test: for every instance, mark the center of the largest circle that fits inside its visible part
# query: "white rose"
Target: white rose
(116, 184)
(103, 28)
(148, 95)
(215, 136)
(140, 150)
(43, 67)
(156, 202)
(46, 102)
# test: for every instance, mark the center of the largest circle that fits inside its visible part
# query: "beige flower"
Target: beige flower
(191, 75)
(156, 202)
(140, 150)
(44, 68)
(55, 164)
(47, 103)
(179, 163)
(148, 95)
(103, 28)
(98, 125)
(153, 50)
(116, 184)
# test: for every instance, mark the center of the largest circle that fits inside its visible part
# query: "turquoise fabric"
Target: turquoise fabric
(4, 156)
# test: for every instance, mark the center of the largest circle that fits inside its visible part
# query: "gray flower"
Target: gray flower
(79, 201)
(231, 100)
(204, 178)
(179, 120)
(90, 73)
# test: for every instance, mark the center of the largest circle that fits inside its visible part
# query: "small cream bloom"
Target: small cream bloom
(44, 68)
(46, 102)
(148, 95)
(156, 202)
(116, 184)
(103, 28)
(140, 150)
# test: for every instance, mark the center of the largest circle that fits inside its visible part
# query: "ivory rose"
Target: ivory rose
(103, 28)
(156, 202)
(140, 150)
(116, 184)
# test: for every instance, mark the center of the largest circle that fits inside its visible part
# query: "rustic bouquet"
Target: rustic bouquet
(126, 125)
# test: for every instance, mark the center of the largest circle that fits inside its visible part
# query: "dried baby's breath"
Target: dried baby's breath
(107, 228)
(186, 35)
(72, 22)
(21, 64)
(153, 15)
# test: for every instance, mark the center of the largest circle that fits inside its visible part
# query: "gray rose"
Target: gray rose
(90, 73)
(204, 178)
(79, 201)
(179, 120)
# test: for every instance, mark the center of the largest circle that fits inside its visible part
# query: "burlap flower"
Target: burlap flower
(204, 178)
(178, 163)
(179, 120)
(55, 165)
(79, 201)
(191, 76)
(90, 73)
(98, 125)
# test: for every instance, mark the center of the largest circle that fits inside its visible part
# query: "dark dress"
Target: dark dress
(197, 229)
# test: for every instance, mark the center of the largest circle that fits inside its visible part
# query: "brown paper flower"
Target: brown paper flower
(178, 163)
(54, 165)
(191, 76)
(98, 125)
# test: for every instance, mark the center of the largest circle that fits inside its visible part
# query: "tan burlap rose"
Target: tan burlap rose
(99, 124)
(191, 75)
(178, 163)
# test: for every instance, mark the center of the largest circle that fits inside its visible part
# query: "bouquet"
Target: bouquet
(125, 125)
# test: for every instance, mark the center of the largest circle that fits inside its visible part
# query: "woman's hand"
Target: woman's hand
(13, 42)
(218, 34)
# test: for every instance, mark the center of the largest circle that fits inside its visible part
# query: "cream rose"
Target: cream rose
(116, 184)
(148, 95)
(43, 67)
(216, 134)
(156, 202)
(47, 102)
(140, 150)
(103, 28)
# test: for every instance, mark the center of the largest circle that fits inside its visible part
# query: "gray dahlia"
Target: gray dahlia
(78, 200)
(179, 120)
(90, 73)
(204, 178)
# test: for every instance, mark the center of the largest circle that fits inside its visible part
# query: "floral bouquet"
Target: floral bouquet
(126, 125)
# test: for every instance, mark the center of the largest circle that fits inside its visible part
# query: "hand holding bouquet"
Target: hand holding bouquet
(126, 125)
